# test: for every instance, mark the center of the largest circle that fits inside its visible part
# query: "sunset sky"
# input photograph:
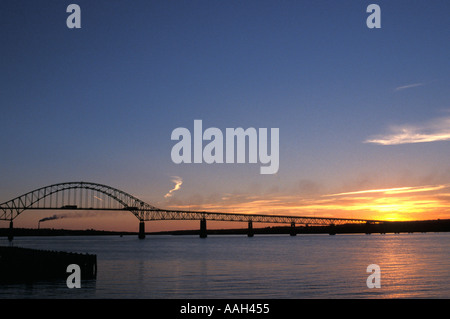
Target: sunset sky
(363, 114)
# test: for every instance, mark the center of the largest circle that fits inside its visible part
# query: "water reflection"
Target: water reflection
(410, 265)
(305, 266)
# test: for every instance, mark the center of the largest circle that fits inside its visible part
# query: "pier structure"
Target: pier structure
(26, 265)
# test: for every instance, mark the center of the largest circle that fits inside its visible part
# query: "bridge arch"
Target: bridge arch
(80, 196)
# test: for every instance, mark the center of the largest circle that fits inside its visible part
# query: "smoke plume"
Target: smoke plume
(61, 216)
(50, 218)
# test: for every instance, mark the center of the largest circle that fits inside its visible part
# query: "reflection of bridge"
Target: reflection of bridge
(96, 197)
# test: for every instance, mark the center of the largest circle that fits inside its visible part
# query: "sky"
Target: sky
(363, 113)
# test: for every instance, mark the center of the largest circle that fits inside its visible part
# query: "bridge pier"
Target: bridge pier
(141, 230)
(250, 232)
(11, 231)
(293, 231)
(203, 231)
(368, 228)
(332, 229)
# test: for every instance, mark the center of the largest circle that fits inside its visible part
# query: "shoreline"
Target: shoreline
(388, 227)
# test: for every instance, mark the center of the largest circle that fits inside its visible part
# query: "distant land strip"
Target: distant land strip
(442, 225)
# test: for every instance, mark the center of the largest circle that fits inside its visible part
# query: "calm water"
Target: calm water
(305, 266)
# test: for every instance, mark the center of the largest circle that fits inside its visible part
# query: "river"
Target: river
(265, 266)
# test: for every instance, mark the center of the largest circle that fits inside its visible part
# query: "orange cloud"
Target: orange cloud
(400, 203)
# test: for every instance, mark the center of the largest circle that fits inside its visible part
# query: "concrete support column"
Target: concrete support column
(293, 231)
(368, 228)
(11, 231)
(141, 230)
(250, 232)
(332, 229)
(203, 231)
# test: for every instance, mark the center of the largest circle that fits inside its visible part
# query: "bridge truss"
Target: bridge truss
(97, 197)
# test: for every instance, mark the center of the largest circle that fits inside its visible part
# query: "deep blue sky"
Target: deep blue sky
(99, 103)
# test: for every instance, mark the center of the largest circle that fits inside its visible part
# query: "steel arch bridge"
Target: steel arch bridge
(98, 197)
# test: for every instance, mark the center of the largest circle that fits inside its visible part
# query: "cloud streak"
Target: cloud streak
(397, 190)
(178, 181)
(436, 130)
(409, 86)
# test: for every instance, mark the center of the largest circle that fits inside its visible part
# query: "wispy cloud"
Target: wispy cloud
(436, 130)
(409, 86)
(397, 190)
(178, 181)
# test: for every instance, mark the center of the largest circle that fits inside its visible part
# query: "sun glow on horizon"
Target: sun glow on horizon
(391, 204)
